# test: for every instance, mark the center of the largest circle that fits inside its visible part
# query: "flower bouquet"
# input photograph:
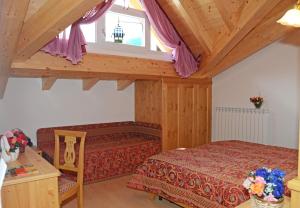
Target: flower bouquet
(257, 101)
(17, 139)
(266, 186)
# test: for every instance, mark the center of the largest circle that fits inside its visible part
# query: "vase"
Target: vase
(260, 203)
(258, 105)
(10, 156)
(5, 151)
(22, 148)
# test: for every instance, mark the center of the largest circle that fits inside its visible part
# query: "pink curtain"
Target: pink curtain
(73, 47)
(185, 63)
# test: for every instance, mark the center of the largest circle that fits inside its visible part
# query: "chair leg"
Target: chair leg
(80, 197)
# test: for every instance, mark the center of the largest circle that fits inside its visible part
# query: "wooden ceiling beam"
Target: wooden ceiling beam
(88, 83)
(226, 16)
(53, 17)
(123, 84)
(48, 82)
(253, 12)
(261, 36)
(107, 67)
(195, 25)
(12, 14)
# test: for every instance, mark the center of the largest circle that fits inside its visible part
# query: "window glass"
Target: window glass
(134, 4)
(156, 44)
(89, 32)
(133, 28)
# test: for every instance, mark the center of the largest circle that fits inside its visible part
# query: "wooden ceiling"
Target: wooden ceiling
(223, 32)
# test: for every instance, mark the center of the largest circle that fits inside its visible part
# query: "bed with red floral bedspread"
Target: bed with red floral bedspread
(111, 149)
(211, 175)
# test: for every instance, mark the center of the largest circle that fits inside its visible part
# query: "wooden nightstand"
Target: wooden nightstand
(248, 204)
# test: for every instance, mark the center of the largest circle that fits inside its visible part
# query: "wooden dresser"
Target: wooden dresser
(39, 190)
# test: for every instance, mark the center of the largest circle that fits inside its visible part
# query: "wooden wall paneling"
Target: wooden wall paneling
(185, 115)
(171, 116)
(198, 128)
(209, 113)
(180, 106)
(201, 118)
(148, 101)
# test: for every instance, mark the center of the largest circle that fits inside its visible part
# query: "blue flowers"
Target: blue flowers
(266, 183)
(262, 172)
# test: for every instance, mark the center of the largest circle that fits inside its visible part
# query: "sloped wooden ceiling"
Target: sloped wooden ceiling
(223, 32)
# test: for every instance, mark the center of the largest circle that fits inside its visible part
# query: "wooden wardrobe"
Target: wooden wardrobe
(182, 107)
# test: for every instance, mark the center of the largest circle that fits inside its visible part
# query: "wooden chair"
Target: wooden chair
(68, 187)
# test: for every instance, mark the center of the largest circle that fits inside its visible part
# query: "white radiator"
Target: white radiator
(243, 124)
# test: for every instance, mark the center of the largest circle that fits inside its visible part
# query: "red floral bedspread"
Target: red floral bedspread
(111, 149)
(210, 175)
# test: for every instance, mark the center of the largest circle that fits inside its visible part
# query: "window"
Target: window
(133, 28)
(135, 36)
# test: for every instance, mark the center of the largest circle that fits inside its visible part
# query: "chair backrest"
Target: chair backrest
(70, 139)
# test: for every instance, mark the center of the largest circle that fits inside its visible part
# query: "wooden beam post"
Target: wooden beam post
(87, 84)
(123, 84)
(12, 14)
(48, 82)
(53, 17)
(253, 12)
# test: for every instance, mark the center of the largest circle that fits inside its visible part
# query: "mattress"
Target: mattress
(210, 175)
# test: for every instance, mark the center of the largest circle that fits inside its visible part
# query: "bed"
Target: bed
(111, 149)
(210, 175)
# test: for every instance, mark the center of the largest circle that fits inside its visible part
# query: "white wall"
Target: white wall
(27, 107)
(272, 73)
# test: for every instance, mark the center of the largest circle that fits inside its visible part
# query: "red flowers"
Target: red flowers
(16, 138)
(256, 99)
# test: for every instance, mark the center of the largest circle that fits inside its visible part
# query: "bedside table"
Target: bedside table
(250, 203)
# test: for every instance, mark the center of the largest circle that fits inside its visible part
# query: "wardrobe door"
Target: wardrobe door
(170, 116)
(185, 115)
(201, 130)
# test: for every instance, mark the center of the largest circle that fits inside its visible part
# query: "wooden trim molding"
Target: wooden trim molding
(107, 67)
